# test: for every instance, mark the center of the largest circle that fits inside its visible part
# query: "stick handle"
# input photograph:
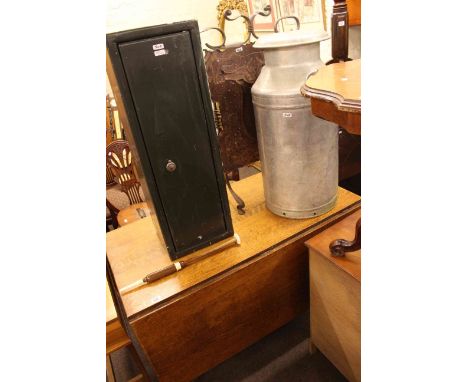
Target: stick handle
(179, 265)
(166, 271)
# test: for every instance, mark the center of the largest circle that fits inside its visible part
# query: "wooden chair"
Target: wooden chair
(119, 160)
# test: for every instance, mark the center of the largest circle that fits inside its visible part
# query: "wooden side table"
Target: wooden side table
(335, 299)
(192, 320)
(335, 94)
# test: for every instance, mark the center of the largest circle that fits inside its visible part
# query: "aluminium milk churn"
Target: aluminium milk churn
(298, 151)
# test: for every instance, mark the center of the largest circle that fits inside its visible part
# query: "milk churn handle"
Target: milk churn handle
(298, 23)
(228, 13)
(266, 12)
(214, 47)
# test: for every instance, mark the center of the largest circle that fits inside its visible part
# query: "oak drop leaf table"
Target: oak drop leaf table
(195, 319)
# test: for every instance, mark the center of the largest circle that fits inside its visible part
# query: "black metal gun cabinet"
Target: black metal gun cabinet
(160, 79)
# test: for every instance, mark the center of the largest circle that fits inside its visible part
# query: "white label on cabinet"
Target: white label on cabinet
(158, 46)
(240, 49)
(287, 115)
(160, 52)
(341, 23)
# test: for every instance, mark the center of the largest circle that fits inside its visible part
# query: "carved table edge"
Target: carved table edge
(348, 105)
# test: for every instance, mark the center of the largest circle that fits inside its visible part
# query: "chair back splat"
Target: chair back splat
(119, 159)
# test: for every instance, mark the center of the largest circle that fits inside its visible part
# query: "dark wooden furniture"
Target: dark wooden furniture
(157, 75)
(345, 13)
(231, 73)
(340, 32)
(194, 319)
(111, 217)
(349, 156)
(335, 299)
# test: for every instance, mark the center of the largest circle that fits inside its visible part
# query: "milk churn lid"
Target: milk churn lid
(291, 38)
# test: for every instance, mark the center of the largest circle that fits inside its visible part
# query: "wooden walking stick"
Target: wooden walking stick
(179, 265)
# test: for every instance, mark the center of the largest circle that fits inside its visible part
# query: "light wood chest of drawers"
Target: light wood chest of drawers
(335, 299)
